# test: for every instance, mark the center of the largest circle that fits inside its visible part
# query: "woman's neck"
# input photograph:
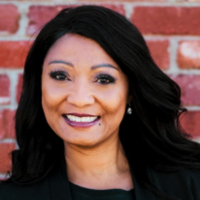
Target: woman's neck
(101, 167)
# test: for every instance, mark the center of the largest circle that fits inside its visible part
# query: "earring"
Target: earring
(129, 110)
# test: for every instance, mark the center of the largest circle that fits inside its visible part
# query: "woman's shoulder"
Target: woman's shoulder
(182, 174)
(42, 189)
(12, 191)
(184, 182)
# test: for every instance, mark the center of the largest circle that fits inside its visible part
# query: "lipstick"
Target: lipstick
(86, 124)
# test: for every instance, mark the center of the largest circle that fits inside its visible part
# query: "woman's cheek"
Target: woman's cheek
(113, 102)
(52, 96)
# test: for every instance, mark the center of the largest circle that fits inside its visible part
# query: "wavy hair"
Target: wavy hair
(153, 129)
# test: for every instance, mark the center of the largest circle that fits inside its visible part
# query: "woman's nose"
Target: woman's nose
(80, 95)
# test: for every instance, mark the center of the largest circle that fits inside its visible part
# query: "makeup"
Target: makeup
(81, 120)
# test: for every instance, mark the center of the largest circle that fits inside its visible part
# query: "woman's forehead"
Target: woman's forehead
(77, 49)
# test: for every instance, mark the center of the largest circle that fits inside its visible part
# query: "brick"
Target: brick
(123, 1)
(7, 124)
(116, 8)
(40, 15)
(190, 88)
(19, 87)
(188, 56)
(159, 52)
(167, 20)
(4, 90)
(9, 18)
(190, 122)
(34, 0)
(5, 156)
(13, 53)
(192, 1)
(3, 178)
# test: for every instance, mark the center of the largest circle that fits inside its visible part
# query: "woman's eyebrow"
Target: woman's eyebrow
(93, 67)
(104, 65)
(61, 61)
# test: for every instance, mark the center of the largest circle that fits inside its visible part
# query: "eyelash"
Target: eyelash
(107, 79)
(102, 78)
(55, 75)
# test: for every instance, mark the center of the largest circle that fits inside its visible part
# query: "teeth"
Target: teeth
(80, 119)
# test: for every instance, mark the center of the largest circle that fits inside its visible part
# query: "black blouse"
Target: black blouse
(81, 193)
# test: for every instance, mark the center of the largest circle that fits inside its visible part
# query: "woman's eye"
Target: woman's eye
(105, 79)
(59, 75)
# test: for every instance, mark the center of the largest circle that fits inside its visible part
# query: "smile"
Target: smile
(80, 120)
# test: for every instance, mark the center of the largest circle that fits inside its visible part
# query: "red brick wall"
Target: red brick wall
(171, 29)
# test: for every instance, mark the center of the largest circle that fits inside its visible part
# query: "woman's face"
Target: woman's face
(84, 91)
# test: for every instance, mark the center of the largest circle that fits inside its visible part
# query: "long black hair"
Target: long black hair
(153, 129)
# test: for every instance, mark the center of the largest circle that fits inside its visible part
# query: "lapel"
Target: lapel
(141, 193)
(58, 184)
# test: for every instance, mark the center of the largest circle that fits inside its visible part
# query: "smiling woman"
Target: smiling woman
(97, 119)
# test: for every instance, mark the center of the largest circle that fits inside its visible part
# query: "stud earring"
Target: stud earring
(129, 110)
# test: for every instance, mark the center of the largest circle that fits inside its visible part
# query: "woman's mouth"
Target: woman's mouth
(81, 120)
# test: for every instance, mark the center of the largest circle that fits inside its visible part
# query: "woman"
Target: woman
(97, 119)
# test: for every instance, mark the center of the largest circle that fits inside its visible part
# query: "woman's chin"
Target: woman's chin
(83, 144)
